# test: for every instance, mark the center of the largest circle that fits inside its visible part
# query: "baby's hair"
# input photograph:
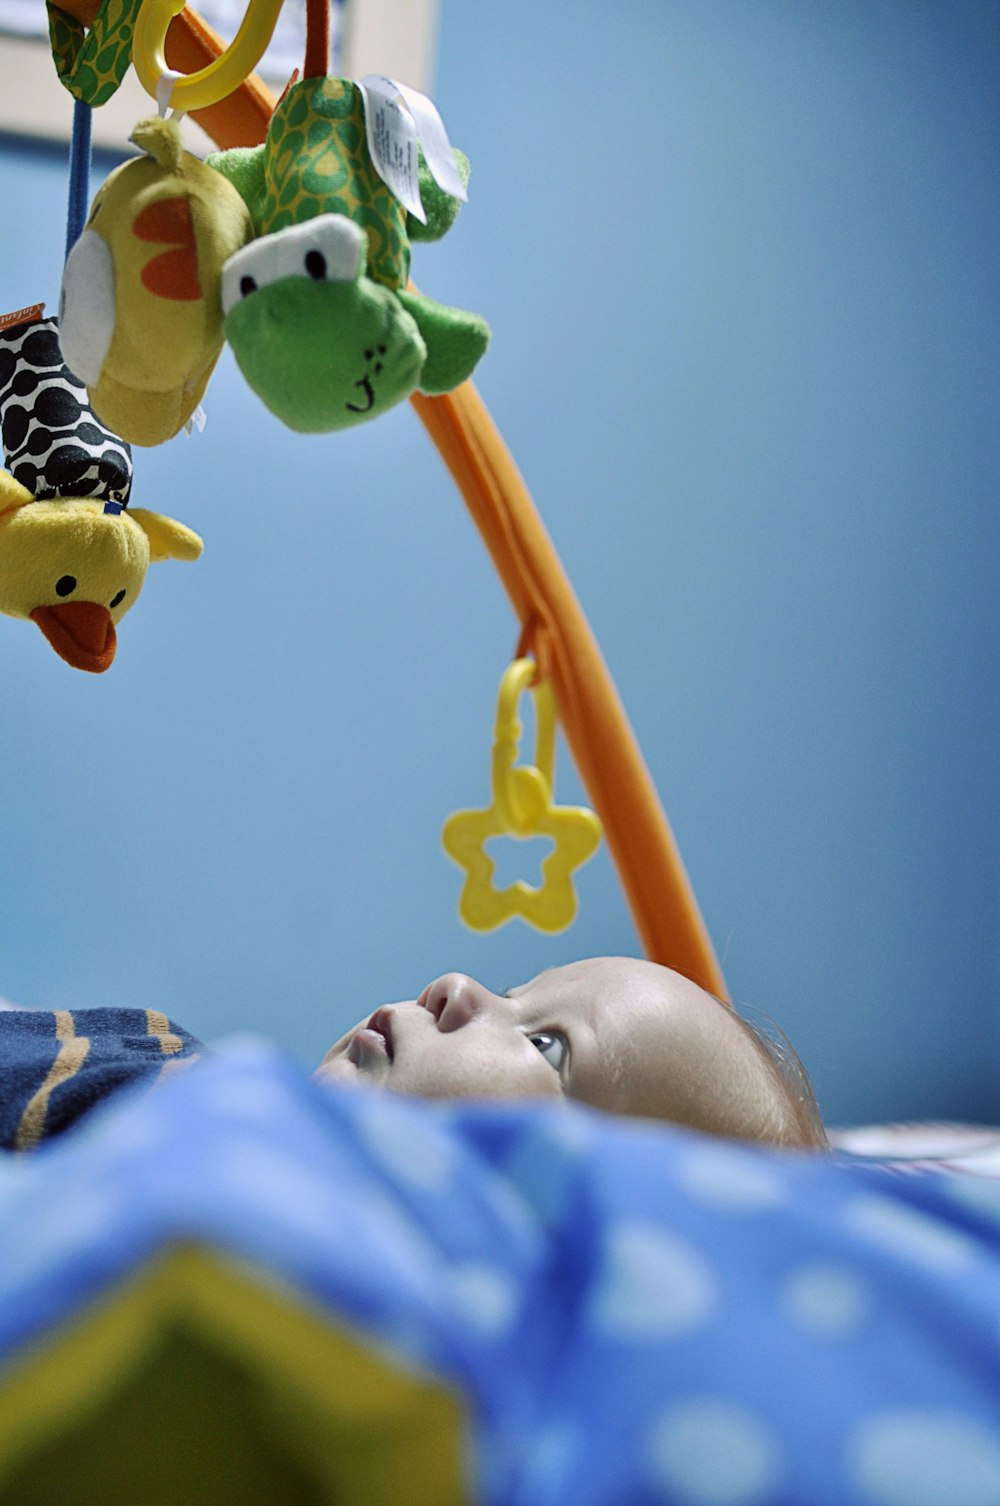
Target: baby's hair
(789, 1077)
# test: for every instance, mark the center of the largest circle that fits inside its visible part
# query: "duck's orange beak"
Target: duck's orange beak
(81, 632)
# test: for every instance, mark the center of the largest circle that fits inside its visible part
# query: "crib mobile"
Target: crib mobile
(293, 243)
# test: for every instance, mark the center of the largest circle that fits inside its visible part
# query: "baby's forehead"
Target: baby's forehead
(630, 1009)
(613, 987)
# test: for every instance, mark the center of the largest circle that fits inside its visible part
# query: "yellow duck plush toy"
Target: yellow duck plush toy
(73, 556)
(140, 312)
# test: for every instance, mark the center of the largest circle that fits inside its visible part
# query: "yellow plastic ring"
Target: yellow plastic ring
(196, 91)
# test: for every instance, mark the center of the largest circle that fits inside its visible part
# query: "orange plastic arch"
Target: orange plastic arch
(553, 625)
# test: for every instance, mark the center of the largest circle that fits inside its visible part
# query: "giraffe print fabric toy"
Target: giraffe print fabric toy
(317, 309)
(73, 555)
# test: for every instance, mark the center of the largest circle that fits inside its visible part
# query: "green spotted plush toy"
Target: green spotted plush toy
(317, 308)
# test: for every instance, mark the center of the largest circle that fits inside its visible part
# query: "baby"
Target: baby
(624, 1035)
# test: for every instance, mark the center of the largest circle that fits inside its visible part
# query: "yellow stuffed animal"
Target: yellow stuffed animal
(140, 313)
(73, 558)
(75, 570)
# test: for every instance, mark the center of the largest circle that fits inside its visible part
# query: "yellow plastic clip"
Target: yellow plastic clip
(521, 807)
(196, 91)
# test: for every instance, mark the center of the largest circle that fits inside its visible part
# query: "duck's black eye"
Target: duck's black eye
(247, 286)
(316, 265)
(65, 585)
(117, 600)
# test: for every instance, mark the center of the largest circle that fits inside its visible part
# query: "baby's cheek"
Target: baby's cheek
(465, 1065)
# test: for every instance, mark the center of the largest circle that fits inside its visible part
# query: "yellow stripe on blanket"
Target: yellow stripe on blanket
(69, 1059)
(202, 1380)
(158, 1026)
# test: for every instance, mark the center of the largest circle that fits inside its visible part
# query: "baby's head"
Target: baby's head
(624, 1035)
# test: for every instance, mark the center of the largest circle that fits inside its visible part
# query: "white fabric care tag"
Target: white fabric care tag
(396, 119)
(196, 422)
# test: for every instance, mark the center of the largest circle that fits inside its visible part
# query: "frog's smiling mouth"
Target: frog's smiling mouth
(369, 392)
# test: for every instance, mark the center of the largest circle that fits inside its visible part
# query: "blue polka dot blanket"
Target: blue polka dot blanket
(243, 1285)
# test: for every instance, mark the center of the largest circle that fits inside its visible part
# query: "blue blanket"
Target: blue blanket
(57, 1065)
(626, 1313)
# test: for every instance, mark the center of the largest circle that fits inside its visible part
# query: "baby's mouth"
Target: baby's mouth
(381, 1023)
(373, 1041)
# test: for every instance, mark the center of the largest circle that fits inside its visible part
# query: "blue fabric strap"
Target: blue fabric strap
(79, 174)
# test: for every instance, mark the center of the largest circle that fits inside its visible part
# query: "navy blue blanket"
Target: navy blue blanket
(55, 1065)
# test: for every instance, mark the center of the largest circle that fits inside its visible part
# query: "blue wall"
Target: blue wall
(740, 265)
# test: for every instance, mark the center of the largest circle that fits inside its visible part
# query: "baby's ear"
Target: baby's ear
(12, 493)
(168, 539)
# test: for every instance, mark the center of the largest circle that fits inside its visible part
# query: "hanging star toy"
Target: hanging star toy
(522, 807)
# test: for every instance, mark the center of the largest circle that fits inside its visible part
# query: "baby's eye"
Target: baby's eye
(553, 1048)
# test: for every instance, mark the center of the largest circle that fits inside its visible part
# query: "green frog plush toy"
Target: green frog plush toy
(317, 308)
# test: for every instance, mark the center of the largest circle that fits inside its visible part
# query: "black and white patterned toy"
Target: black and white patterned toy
(55, 444)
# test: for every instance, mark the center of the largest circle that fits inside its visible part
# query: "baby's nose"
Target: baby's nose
(455, 999)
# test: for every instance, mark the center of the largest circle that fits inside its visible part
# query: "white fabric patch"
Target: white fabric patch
(711, 1452)
(825, 1300)
(652, 1286)
(908, 1232)
(729, 1180)
(87, 307)
(923, 1457)
(415, 1152)
(486, 1297)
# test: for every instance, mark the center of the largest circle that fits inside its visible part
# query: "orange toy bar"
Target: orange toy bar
(553, 626)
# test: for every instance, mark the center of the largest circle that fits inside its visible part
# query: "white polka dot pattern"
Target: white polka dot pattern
(906, 1231)
(483, 1296)
(711, 1452)
(418, 1153)
(826, 1301)
(729, 1180)
(652, 1285)
(926, 1458)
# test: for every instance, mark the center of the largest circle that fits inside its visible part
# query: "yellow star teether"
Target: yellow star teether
(521, 807)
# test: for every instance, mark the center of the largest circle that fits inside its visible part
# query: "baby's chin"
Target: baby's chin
(342, 1071)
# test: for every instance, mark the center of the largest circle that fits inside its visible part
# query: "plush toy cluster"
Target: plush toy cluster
(296, 252)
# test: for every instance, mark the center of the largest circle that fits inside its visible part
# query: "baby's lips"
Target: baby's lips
(81, 632)
(381, 1023)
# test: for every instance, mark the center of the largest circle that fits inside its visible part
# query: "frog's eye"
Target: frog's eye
(552, 1046)
(87, 307)
(329, 248)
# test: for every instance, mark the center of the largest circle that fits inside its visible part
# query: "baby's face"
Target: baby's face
(623, 1035)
